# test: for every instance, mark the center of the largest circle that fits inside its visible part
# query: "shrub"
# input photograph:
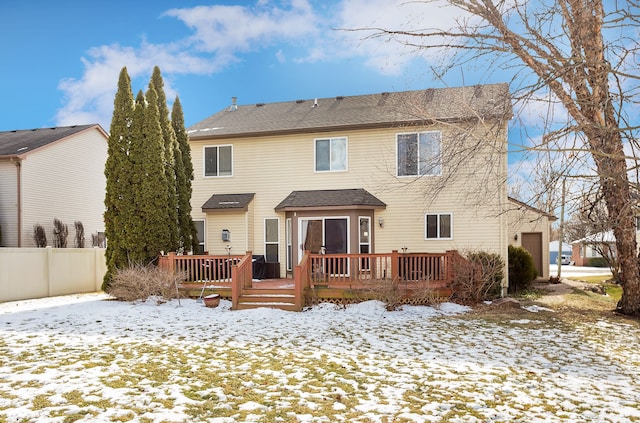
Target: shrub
(394, 294)
(522, 270)
(478, 278)
(139, 283)
(598, 262)
(79, 234)
(60, 234)
(39, 235)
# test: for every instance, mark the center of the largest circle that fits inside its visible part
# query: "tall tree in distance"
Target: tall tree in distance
(577, 54)
(184, 175)
(118, 196)
(170, 146)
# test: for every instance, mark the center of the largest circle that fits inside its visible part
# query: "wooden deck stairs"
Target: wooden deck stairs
(280, 298)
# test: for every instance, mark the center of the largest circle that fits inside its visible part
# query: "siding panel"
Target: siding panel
(65, 180)
(274, 166)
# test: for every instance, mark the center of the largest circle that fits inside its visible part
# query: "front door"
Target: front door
(532, 242)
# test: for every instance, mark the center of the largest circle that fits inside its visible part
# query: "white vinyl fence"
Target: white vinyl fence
(27, 273)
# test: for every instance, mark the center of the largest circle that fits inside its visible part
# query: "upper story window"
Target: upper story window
(331, 154)
(218, 160)
(419, 153)
(438, 226)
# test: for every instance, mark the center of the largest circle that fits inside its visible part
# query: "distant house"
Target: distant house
(530, 228)
(554, 251)
(51, 173)
(591, 247)
(350, 175)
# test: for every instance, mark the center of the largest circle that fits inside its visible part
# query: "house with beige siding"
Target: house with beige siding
(414, 171)
(50, 173)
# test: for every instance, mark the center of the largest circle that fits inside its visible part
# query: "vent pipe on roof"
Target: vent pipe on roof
(315, 102)
(234, 105)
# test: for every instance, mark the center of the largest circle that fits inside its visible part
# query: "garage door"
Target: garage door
(532, 242)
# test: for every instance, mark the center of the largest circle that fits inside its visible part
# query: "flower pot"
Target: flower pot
(212, 300)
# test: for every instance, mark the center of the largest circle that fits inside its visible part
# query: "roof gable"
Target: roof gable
(524, 206)
(228, 202)
(364, 111)
(339, 198)
(21, 142)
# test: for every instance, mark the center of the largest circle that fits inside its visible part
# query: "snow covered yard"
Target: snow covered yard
(82, 358)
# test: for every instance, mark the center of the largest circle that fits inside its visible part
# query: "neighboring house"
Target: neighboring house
(51, 173)
(530, 228)
(357, 174)
(554, 251)
(590, 247)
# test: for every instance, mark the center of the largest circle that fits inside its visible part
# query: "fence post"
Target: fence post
(49, 255)
(235, 288)
(395, 263)
(298, 290)
(171, 258)
(96, 266)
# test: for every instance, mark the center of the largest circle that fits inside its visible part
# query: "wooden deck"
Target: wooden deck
(340, 278)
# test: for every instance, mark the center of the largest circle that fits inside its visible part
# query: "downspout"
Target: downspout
(18, 164)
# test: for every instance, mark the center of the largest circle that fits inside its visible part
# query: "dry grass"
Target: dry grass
(138, 283)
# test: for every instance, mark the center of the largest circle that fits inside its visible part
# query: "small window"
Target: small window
(271, 240)
(438, 226)
(419, 154)
(218, 160)
(331, 155)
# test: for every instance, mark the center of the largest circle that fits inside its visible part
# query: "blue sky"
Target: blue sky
(62, 59)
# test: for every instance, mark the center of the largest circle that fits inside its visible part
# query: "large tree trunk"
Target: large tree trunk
(615, 188)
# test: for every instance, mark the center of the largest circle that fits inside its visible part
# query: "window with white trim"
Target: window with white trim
(419, 153)
(271, 240)
(438, 226)
(331, 154)
(218, 160)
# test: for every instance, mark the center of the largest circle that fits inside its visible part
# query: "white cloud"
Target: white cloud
(231, 29)
(220, 34)
(391, 56)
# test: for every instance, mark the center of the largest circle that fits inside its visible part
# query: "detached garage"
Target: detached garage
(530, 228)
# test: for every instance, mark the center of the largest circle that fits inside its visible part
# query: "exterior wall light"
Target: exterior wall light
(381, 222)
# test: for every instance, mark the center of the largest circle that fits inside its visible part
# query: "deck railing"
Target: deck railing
(241, 278)
(357, 269)
(339, 271)
(201, 268)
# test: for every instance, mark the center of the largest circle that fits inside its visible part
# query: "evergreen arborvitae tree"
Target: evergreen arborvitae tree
(118, 198)
(184, 175)
(170, 146)
(152, 194)
(135, 237)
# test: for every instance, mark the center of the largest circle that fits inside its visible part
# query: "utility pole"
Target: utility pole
(561, 229)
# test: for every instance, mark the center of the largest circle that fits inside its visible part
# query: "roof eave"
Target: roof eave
(328, 208)
(350, 127)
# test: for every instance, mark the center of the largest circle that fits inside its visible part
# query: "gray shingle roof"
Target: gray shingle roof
(330, 198)
(363, 111)
(227, 201)
(20, 142)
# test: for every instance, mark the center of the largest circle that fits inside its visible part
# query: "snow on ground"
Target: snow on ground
(86, 358)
